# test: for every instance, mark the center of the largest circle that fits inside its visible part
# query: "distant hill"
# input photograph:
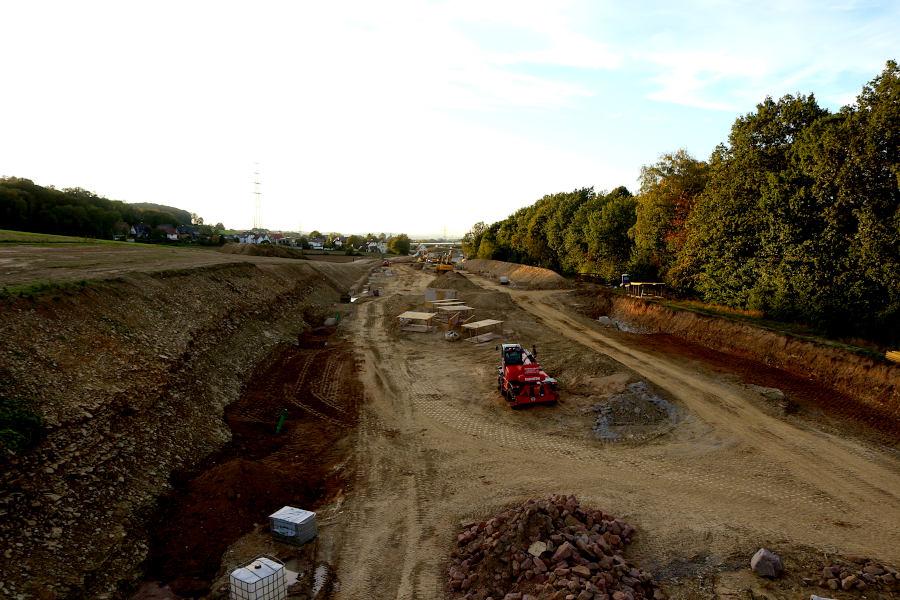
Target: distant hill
(26, 206)
(183, 216)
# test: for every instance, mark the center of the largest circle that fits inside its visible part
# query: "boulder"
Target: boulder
(766, 564)
(849, 582)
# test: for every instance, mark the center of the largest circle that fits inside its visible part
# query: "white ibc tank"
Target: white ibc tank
(293, 525)
(263, 579)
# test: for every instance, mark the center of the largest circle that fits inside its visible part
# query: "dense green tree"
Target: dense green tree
(669, 189)
(472, 239)
(26, 206)
(487, 247)
(723, 249)
(399, 244)
(797, 216)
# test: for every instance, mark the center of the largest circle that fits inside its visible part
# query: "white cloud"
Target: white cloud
(362, 113)
(730, 57)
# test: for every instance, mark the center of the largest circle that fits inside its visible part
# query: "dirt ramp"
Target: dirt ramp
(452, 281)
(868, 390)
(523, 276)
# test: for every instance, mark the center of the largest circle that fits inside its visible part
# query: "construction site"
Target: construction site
(229, 426)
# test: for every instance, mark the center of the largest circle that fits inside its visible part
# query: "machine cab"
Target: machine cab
(514, 355)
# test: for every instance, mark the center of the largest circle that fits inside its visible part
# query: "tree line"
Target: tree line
(797, 215)
(396, 244)
(26, 206)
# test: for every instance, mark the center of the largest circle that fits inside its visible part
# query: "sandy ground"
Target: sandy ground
(437, 445)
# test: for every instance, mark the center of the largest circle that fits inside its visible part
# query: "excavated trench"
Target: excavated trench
(312, 383)
(817, 379)
(132, 377)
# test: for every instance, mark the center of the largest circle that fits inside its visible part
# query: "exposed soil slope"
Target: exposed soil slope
(869, 388)
(258, 472)
(452, 281)
(132, 376)
(522, 276)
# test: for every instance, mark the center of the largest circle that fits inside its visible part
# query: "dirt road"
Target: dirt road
(437, 446)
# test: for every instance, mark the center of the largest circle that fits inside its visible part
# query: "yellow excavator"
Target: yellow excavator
(445, 264)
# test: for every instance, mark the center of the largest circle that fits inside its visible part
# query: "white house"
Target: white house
(248, 237)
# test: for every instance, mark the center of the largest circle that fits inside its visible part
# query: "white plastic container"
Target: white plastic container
(263, 579)
(293, 525)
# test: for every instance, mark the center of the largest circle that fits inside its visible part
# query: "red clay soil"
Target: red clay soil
(808, 397)
(813, 398)
(258, 472)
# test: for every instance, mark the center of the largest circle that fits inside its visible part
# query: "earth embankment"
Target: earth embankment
(871, 386)
(131, 376)
(522, 276)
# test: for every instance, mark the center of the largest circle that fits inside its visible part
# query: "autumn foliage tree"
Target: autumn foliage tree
(797, 215)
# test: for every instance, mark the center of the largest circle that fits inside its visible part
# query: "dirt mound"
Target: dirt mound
(549, 548)
(634, 413)
(523, 276)
(452, 281)
(262, 250)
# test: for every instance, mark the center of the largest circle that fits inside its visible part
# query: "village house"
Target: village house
(316, 243)
(139, 231)
(249, 237)
(169, 231)
(187, 233)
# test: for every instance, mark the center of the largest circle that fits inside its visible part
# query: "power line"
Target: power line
(257, 213)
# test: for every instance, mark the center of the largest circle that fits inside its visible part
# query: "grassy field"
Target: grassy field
(24, 237)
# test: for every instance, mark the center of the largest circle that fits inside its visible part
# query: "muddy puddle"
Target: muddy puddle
(287, 431)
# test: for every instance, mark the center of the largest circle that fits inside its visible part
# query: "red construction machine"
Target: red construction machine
(521, 379)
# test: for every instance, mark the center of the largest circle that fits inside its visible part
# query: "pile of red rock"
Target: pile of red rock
(547, 549)
(859, 574)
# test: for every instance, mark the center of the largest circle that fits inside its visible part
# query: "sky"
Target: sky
(409, 116)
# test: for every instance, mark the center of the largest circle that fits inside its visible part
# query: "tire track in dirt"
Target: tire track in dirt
(429, 455)
(844, 479)
(395, 483)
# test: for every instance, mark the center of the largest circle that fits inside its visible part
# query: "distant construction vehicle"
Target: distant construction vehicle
(445, 262)
(521, 380)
